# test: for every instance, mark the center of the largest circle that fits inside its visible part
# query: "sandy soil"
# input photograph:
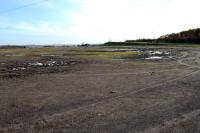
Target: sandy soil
(112, 96)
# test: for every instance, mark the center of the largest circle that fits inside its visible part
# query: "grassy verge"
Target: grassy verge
(150, 44)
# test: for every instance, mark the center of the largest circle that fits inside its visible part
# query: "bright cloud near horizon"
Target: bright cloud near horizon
(93, 21)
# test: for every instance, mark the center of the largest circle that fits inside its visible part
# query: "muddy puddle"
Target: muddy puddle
(158, 55)
(149, 54)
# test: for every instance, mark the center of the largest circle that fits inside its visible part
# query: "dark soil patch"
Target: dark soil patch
(43, 65)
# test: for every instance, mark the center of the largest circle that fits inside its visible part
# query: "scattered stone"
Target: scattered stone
(72, 63)
(113, 92)
(22, 68)
(99, 114)
(14, 69)
(152, 73)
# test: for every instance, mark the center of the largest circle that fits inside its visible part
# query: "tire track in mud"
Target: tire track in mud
(174, 122)
(184, 57)
(119, 96)
(115, 73)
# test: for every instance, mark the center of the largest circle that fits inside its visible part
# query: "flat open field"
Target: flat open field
(100, 90)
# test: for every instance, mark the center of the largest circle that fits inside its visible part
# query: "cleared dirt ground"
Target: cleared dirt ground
(94, 94)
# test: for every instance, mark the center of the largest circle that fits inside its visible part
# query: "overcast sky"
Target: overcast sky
(93, 21)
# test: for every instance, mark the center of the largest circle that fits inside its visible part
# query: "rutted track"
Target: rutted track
(129, 93)
(124, 95)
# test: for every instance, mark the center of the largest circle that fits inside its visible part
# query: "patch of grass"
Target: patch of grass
(76, 51)
(61, 52)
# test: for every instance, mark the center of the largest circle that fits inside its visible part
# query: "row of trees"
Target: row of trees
(190, 36)
(141, 40)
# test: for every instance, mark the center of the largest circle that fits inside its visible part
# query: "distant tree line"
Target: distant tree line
(11, 46)
(129, 43)
(141, 40)
(190, 36)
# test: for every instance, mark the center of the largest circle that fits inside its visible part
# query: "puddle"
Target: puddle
(51, 63)
(152, 54)
(161, 53)
(158, 55)
(154, 58)
(35, 64)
